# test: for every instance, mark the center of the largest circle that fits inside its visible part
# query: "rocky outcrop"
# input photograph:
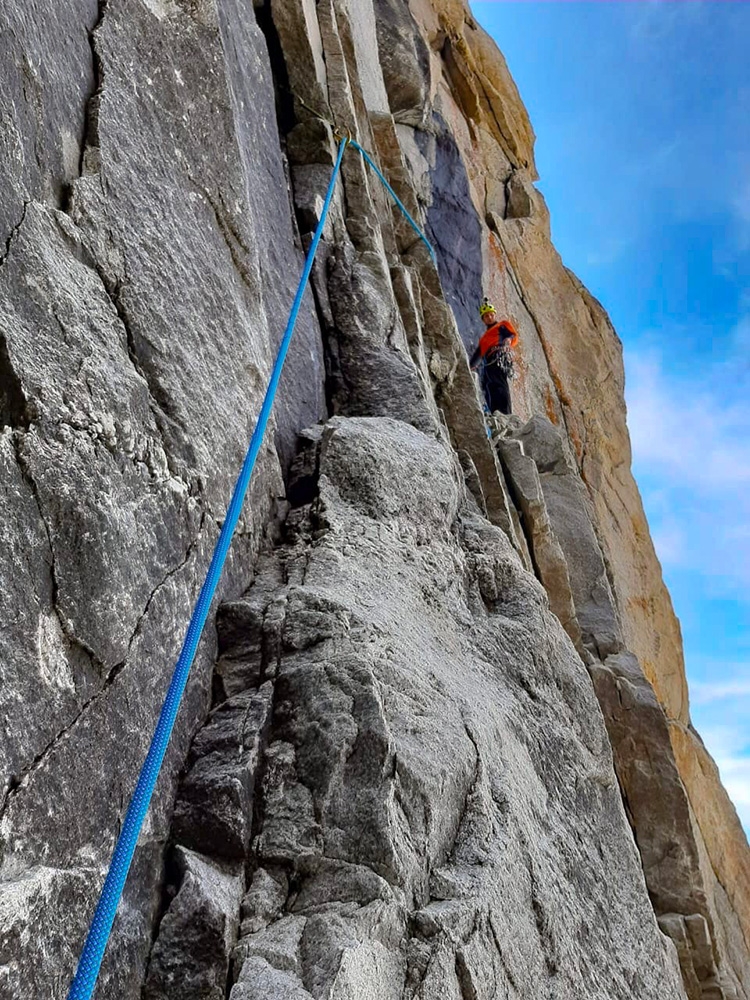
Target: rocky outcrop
(142, 276)
(404, 841)
(571, 372)
(548, 558)
(681, 886)
(196, 935)
(401, 781)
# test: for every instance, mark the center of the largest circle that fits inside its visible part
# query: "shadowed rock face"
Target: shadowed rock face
(401, 784)
(196, 935)
(454, 229)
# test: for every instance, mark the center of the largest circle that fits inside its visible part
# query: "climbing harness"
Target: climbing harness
(501, 358)
(89, 964)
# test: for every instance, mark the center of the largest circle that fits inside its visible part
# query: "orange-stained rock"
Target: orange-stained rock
(726, 860)
(427, 801)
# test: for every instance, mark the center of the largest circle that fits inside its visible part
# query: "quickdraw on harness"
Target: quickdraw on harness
(501, 357)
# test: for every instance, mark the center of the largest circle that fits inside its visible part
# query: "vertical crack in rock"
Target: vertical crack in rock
(464, 977)
(471, 789)
(34, 99)
(109, 674)
(232, 237)
(288, 121)
(13, 233)
(65, 624)
(282, 89)
(398, 721)
(90, 161)
(14, 408)
(160, 403)
(508, 971)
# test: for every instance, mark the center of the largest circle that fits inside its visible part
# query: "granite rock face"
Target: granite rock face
(192, 953)
(681, 885)
(136, 330)
(407, 841)
(390, 776)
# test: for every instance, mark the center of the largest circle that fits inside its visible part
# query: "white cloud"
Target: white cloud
(707, 692)
(688, 426)
(729, 745)
(691, 442)
(691, 445)
(735, 776)
(670, 541)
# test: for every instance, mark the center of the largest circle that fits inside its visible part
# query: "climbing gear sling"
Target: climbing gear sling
(500, 357)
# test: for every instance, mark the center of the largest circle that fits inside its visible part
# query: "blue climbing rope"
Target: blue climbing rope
(90, 962)
(366, 156)
(101, 925)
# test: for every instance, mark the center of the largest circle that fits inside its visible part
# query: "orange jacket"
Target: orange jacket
(498, 335)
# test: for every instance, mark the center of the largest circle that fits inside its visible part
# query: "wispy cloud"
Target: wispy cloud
(691, 445)
(735, 776)
(730, 748)
(651, 21)
(689, 427)
(720, 709)
(708, 692)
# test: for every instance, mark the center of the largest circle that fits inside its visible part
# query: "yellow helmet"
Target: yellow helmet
(486, 307)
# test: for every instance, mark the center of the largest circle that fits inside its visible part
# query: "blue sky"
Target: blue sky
(642, 115)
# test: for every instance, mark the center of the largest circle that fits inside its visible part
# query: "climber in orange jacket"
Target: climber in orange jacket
(494, 349)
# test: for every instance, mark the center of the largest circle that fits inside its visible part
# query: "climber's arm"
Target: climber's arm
(511, 338)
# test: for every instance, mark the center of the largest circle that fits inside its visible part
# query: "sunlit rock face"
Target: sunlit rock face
(436, 742)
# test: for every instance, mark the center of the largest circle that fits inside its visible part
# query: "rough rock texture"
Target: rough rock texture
(549, 561)
(438, 814)
(571, 372)
(196, 935)
(400, 760)
(136, 327)
(213, 811)
(681, 885)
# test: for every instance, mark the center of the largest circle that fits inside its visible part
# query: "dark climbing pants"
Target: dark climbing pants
(496, 389)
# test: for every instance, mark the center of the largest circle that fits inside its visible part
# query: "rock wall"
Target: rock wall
(572, 373)
(401, 780)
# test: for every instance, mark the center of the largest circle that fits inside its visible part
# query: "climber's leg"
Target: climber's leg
(497, 390)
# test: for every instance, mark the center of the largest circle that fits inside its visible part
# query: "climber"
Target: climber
(494, 349)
